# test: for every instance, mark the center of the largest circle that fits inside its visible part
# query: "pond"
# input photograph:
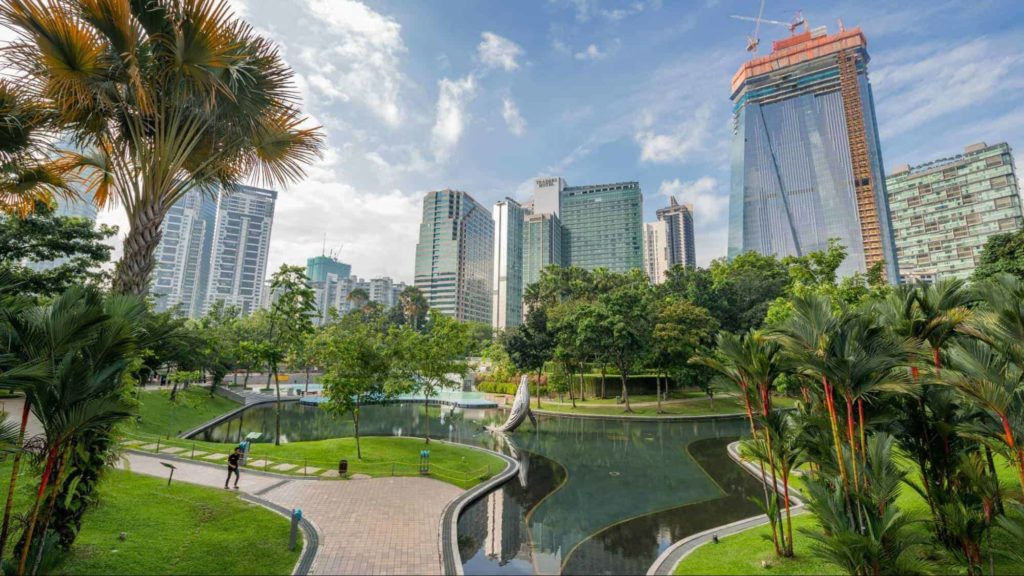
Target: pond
(594, 496)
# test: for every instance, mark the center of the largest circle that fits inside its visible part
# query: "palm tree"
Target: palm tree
(163, 96)
(414, 305)
(85, 343)
(786, 451)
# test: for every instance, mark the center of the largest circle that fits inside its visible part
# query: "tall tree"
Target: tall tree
(290, 320)
(164, 96)
(1003, 253)
(414, 306)
(630, 323)
(430, 358)
(531, 344)
(680, 328)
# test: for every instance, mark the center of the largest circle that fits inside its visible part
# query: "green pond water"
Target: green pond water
(593, 496)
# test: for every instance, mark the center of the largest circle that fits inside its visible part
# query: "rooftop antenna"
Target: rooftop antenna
(323, 251)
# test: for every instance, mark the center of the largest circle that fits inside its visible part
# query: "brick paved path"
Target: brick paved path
(373, 526)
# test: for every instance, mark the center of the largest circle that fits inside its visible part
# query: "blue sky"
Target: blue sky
(483, 96)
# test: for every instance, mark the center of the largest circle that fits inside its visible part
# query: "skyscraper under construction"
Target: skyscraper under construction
(806, 162)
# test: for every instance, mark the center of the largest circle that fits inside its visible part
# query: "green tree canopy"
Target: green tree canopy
(1002, 253)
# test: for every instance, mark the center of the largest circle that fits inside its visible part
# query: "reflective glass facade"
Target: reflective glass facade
(794, 155)
(454, 255)
(943, 212)
(602, 226)
(542, 245)
(319, 267)
(182, 269)
(507, 302)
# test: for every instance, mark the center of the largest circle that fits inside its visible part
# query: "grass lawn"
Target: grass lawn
(181, 529)
(743, 553)
(192, 407)
(696, 407)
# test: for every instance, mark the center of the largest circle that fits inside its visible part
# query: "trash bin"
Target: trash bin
(343, 467)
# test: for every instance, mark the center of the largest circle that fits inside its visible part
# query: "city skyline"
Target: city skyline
(467, 103)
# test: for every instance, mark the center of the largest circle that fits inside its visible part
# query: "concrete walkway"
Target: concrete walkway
(372, 526)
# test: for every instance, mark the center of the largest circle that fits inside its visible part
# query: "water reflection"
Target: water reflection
(593, 496)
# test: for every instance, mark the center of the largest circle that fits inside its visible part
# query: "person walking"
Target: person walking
(233, 462)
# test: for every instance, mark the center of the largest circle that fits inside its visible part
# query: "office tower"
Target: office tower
(182, 270)
(602, 226)
(542, 245)
(656, 252)
(241, 242)
(547, 196)
(678, 219)
(507, 301)
(806, 162)
(454, 266)
(944, 211)
(319, 267)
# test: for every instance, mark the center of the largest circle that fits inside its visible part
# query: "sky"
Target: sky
(484, 96)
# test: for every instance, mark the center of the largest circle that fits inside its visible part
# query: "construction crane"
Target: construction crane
(753, 41)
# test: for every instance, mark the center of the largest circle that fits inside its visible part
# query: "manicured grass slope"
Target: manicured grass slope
(180, 529)
(192, 407)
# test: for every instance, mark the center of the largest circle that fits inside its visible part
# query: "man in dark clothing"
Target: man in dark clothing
(233, 461)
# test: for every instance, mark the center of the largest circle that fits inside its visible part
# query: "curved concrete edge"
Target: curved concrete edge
(310, 540)
(228, 415)
(451, 561)
(667, 562)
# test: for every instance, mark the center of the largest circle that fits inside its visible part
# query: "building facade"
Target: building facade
(944, 211)
(806, 160)
(679, 244)
(182, 271)
(602, 226)
(454, 266)
(656, 252)
(507, 301)
(241, 243)
(542, 245)
(319, 267)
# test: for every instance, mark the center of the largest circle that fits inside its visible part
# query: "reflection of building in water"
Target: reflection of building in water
(504, 530)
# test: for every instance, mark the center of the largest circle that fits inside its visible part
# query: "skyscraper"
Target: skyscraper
(678, 219)
(507, 302)
(656, 250)
(944, 211)
(542, 245)
(602, 226)
(241, 242)
(454, 265)
(319, 267)
(182, 257)
(806, 161)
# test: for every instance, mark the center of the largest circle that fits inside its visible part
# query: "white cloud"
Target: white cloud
(513, 119)
(917, 88)
(498, 52)
(452, 98)
(593, 53)
(363, 61)
(703, 193)
(680, 144)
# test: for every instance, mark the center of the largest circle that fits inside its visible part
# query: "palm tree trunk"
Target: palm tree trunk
(62, 465)
(132, 272)
(4, 531)
(789, 514)
(30, 529)
(833, 421)
(991, 469)
(850, 438)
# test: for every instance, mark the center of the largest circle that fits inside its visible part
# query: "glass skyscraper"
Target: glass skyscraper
(806, 161)
(182, 257)
(241, 243)
(542, 245)
(454, 254)
(602, 226)
(319, 267)
(944, 211)
(507, 302)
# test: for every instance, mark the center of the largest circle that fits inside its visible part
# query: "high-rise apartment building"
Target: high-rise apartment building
(806, 161)
(542, 245)
(507, 302)
(319, 267)
(241, 243)
(182, 271)
(679, 244)
(656, 250)
(454, 266)
(944, 211)
(602, 226)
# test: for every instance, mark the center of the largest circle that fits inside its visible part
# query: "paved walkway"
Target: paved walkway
(372, 526)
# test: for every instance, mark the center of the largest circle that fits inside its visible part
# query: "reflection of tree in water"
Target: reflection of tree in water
(629, 548)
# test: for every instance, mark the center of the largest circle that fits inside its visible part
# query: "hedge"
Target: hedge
(641, 384)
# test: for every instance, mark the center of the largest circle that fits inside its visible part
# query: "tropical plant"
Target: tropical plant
(163, 96)
(290, 321)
